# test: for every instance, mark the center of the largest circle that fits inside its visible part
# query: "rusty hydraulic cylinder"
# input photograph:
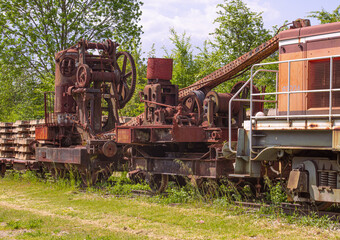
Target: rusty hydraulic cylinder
(65, 76)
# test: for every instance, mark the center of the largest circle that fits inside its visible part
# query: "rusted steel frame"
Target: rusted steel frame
(62, 155)
(49, 108)
(99, 46)
(183, 159)
(92, 45)
(108, 46)
(103, 76)
(99, 58)
(196, 167)
(156, 103)
(147, 127)
(207, 154)
(25, 162)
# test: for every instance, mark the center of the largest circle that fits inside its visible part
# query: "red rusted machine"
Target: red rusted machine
(180, 136)
(92, 81)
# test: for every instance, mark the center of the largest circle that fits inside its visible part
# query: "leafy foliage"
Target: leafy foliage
(33, 31)
(326, 17)
(239, 31)
(185, 67)
(275, 193)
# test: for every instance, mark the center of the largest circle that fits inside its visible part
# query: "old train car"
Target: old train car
(92, 80)
(183, 131)
(300, 141)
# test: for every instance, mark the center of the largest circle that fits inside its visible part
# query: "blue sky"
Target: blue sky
(196, 17)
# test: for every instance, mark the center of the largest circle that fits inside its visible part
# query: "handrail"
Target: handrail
(288, 116)
(250, 100)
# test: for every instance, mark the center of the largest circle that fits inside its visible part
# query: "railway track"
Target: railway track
(287, 208)
(291, 208)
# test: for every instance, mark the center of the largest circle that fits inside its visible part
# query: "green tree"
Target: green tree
(184, 68)
(207, 61)
(326, 17)
(239, 31)
(32, 32)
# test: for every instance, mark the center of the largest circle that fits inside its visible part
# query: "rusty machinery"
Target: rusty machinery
(180, 136)
(181, 132)
(92, 80)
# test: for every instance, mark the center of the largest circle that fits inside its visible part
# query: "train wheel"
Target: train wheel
(321, 206)
(208, 187)
(136, 176)
(196, 182)
(41, 172)
(2, 169)
(57, 173)
(247, 190)
(89, 177)
(157, 182)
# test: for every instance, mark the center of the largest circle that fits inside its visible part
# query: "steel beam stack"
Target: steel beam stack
(24, 137)
(6, 140)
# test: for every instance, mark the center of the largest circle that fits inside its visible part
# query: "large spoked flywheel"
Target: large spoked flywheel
(126, 71)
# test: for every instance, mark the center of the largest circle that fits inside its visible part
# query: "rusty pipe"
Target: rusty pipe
(103, 77)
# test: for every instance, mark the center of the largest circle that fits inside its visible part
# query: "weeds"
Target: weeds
(220, 195)
(275, 193)
(15, 225)
(120, 184)
(19, 224)
(34, 223)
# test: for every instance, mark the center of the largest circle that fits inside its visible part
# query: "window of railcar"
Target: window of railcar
(319, 72)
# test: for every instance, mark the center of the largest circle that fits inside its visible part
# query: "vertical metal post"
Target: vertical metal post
(330, 88)
(45, 103)
(288, 90)
(49, 108)
(50, 117)
(276, 90)
(251, 114)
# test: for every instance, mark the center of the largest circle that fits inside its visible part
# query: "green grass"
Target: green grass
(31, 209)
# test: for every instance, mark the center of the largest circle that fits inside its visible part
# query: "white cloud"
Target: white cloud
(195, 17)
(270, 14)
